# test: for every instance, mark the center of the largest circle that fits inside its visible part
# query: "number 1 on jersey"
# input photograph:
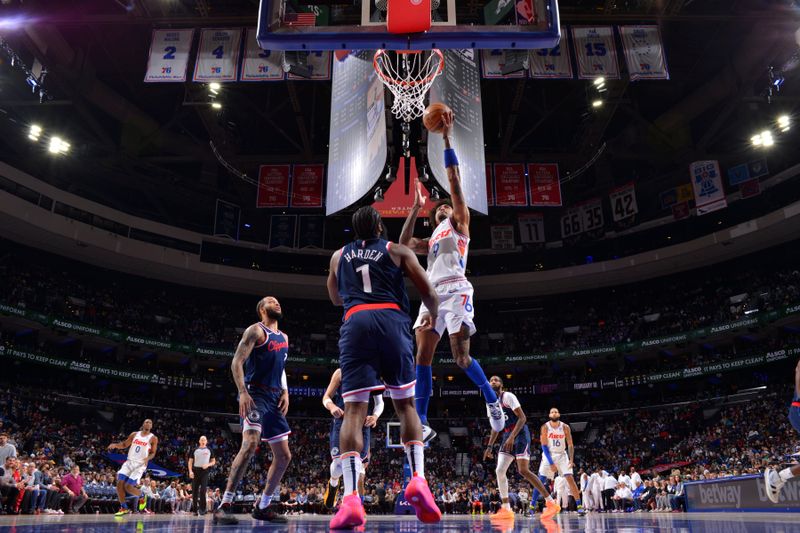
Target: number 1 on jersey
(364, 269)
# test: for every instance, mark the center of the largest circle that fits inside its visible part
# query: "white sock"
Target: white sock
(503, 462)
(351, 466)
(265, 500)
(415, 452)
(334, 482)
(336, 471)
(786, 474)
(228, 497)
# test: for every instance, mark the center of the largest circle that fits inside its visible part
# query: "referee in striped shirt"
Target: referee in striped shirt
(199, 463)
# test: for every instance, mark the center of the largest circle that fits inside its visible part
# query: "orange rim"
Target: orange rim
(386, 79)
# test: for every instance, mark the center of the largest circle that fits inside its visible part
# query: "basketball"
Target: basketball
(432, 117)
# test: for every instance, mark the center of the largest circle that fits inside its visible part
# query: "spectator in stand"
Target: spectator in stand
(72, 485)
(636, 479)
(623, 498)
(6, 448)
(170, 496)
(9, 488)
(678, 500)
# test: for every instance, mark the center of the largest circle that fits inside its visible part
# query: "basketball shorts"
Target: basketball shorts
(270, 422)
(794, 413)
(561, 460)
(456, 309)
(522, 444)
(336, 428)
(132, 471)
(376, 353)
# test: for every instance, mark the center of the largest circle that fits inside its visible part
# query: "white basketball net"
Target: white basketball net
(409, 75)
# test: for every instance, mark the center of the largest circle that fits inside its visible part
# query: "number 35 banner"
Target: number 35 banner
(595, 51)
(169, 56)
(218, 55)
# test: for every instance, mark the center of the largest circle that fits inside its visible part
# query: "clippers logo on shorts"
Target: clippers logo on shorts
(265, 365)
(447, 254)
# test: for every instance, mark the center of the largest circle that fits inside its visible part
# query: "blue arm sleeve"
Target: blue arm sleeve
(546, 453)
(450, 159)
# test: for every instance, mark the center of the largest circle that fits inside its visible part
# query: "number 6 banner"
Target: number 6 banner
(169, 56)
(595, 51)
(217, 55)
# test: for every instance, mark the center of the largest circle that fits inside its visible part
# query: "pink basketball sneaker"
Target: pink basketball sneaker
(351, 513)
(419, 496)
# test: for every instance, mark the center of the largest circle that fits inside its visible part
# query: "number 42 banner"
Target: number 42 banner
(218, 55)
(169, 56)
(623, 202)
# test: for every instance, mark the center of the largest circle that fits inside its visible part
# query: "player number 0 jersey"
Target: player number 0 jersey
(447, 254)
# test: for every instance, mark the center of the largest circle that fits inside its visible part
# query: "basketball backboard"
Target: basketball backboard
(512, 24)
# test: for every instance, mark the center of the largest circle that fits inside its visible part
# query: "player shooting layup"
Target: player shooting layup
(447, 250)
(776, 480)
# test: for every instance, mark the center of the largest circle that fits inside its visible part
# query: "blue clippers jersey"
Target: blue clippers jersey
(368, 275)
(267, 360)
(510, 415)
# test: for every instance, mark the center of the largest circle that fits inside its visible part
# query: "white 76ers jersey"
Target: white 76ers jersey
(140, 447)
(447, 254)
(556, 438)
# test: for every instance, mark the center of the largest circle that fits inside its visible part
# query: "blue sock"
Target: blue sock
(475, 373)
(423, 391)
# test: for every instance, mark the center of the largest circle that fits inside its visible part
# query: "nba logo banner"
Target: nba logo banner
(552, 63)
(273, 186)
(217, 55)
(509, 183)
(595, 52)
(545, 185)
(169, 56)
(258, 64)
(307, 185)
(644, 52)
(709, 196)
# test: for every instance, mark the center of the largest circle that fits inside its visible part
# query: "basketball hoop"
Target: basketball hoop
(408, 74)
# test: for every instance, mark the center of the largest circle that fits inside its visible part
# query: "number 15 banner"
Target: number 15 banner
(169, 56)
(595, 52)
(217, 55)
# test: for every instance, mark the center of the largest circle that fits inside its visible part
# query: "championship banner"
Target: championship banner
(492, 63)
(531, 228)
(489, 186)
(217, 55)
(572, 223)
(502, 237)
(258, 64)
(545, 186)
(644, 52)
(592, 213)
(595, 52)
(319, 63)
(509, 185)
(307, 185)
(552, 63)
(709, 196)
(273, 186)
(623, 202)
(282, 230)
(226, 220)
(169, 56)
(312, 232)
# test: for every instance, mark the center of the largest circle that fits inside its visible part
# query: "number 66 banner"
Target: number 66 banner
(595, 51)
(217, 55)
(169, 56)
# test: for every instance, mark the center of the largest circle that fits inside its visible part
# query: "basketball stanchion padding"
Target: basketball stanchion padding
(408, 16)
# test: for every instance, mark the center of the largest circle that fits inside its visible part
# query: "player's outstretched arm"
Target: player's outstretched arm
(333, 286)
(248, 341)
(124, 444)
(460, 217)
(406, 259)
(327, 398)
(420, 246)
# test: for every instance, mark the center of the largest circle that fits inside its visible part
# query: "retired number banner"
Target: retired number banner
(502, 237)
(169, 56)
(273, 186)
(623, 202)
(492, 63)
(554, 62)
(531, 228)
(258, 64)
(709, 196)
(545, 186)
(217, 55)
(509, 185)
(644, 52)
(307, 185)
(592, 213)
(595, 51)
(572, 223)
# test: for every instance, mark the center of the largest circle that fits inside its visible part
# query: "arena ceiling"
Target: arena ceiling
(144, 148)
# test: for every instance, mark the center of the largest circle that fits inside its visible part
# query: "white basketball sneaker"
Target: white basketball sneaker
(427, 433)
(773, 483)
(496, 417)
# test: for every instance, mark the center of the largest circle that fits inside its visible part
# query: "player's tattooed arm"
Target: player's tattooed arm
(461, 215)
(333, 285)
(419, 246)
(250, 338)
